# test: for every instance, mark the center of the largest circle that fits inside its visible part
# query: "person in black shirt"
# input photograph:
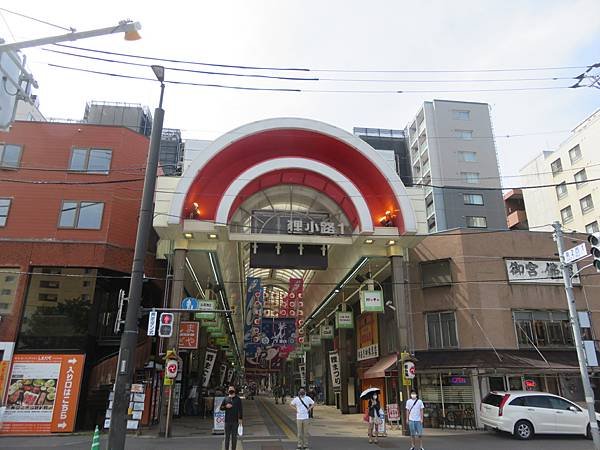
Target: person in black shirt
(232, 405)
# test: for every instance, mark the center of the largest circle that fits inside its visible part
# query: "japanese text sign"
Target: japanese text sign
(536, 271)
(188, 335)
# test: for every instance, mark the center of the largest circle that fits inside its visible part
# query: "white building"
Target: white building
(572, 171)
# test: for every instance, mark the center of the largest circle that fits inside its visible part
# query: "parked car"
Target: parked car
(524, 413)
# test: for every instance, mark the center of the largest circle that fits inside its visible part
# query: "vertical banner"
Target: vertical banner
(302, 369)
(230, 374)
(218, 416)
(334, 365)
(223, 373)
(43, 394)
(296, 306)
(254, 311)
(209, 363)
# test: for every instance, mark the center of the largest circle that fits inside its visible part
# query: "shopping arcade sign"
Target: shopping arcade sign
(302, 223)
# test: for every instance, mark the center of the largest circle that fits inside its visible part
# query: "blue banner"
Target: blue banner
(254, 311)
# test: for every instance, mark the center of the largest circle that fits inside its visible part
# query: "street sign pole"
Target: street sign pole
(585, 379)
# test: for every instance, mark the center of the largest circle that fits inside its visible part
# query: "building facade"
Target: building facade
(453, 155)
(69, 201)
(575, 169)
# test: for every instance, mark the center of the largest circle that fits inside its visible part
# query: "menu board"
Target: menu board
(135, 409)
(42, 394)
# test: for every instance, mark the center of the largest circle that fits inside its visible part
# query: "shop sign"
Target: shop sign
(302, 369)
(188, 335)
(280, 222)
(536, 271)
(530, 385)
(457, 380)
(315, 340)
(206, 305)
(372, 351)
(305, 347)
(209, 362)
(336, 375)
(344, 319)
(327, 332)
(393, 412)
(218, 416)
(43, 393)
(371, 301)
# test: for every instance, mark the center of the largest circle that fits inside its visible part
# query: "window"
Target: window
(556, 166)
(538, 401)
(10, 156)
(519, 401)
(441, 330)
(467, 156)
(4, 208)
(473, 199)
(592, 227)
(8, 287)
(543, 329)
(85, 215)
(464, 134)
(50, 284)
(580, 178)
(436, 273)
(43, 297)
(90, 160)
(561, 190)
(476, 222)
(458, 114)
(559, 403)
(586, 203)
(470, 177)
(575, 154)
(566, 214)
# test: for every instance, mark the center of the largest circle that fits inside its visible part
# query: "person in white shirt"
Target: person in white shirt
(414, 411)
(303, 405)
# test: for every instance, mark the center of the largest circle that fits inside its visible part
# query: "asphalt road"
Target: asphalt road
(486, 441)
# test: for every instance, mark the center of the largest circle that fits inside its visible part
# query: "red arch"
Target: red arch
(219, 172)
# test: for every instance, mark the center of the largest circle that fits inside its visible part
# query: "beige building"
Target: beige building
(572, 170)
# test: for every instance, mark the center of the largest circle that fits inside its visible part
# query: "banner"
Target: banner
(264, 359)
(327, 332)
(218, 416)
(209, 362)
(367, 337)
(334, 365)
(344, 319)
(254, 310)
(302, 369)
(43, 393)
(189, 333)
(223, 372)
(230, 375)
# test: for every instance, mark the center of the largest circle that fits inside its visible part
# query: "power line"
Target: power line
(71, 29)
(7, 25)
(181, 61)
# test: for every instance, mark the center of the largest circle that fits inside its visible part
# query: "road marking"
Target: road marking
(280, 423)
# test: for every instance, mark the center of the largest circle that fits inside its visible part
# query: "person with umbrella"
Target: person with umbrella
(373, 413)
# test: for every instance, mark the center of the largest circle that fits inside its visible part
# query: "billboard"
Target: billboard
(42, 394)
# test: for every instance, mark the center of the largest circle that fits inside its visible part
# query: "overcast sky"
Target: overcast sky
(327, 34)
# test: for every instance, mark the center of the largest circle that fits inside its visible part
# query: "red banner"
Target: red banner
(188, 335)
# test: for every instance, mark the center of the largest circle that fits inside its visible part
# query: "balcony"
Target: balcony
(517, 219)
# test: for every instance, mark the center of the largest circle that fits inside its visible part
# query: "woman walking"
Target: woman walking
(374, 418)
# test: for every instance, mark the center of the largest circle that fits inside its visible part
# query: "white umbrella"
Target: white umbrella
(368, 392)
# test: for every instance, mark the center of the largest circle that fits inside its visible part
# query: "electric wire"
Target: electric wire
(37, 20)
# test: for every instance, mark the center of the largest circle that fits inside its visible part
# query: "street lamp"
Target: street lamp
(125, 369)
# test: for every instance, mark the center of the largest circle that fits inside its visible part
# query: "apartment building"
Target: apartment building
(571, 171)
(453, 155)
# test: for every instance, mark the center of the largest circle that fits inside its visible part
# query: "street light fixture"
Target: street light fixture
(125, 362)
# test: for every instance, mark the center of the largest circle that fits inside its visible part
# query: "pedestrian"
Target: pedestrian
(276, 393)
(303, 405)
(414, 411)
(313, 396)
(283, 394)
(232, 405)
(374, 418)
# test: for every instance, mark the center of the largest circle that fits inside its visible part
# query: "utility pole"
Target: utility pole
(124, 377)
(567, 270)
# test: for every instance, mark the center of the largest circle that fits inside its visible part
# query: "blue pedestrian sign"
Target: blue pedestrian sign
(189, 303)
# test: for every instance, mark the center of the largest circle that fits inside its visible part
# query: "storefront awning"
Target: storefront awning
(504, 359)
(380, 367)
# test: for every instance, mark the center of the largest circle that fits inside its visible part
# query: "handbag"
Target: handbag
(240, 430)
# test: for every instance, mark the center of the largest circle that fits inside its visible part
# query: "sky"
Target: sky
(334, 34)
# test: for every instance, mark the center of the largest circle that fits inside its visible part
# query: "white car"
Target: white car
(524, 413)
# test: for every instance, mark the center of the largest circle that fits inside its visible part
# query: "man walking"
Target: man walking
(303, 405)
(414, 411)
(232, 405)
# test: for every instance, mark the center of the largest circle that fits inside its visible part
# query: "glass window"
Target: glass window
(580, 178)
(538, 401)
(592, 227)
(85, 215)
(441, 330)
(4, 209)
(9, 280)
(90, 160)
(586, 203)
(473, 199)
(436, 273)
(519, 401)
(467, 156)
(566, 214)
(559, 403)
(496, 383)
(476, 222)
(461, 114)
(464, 134)
(556, 166)
(543, 329)
(561, 190)
(575, 154)
(10, 156)
(470, 177)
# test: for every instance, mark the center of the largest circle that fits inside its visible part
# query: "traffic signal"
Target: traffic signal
(165, 327)
(594, 240)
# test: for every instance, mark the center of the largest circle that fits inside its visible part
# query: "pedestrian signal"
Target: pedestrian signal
(165, 328)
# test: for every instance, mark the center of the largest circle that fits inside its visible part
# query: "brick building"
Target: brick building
(69, 201)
